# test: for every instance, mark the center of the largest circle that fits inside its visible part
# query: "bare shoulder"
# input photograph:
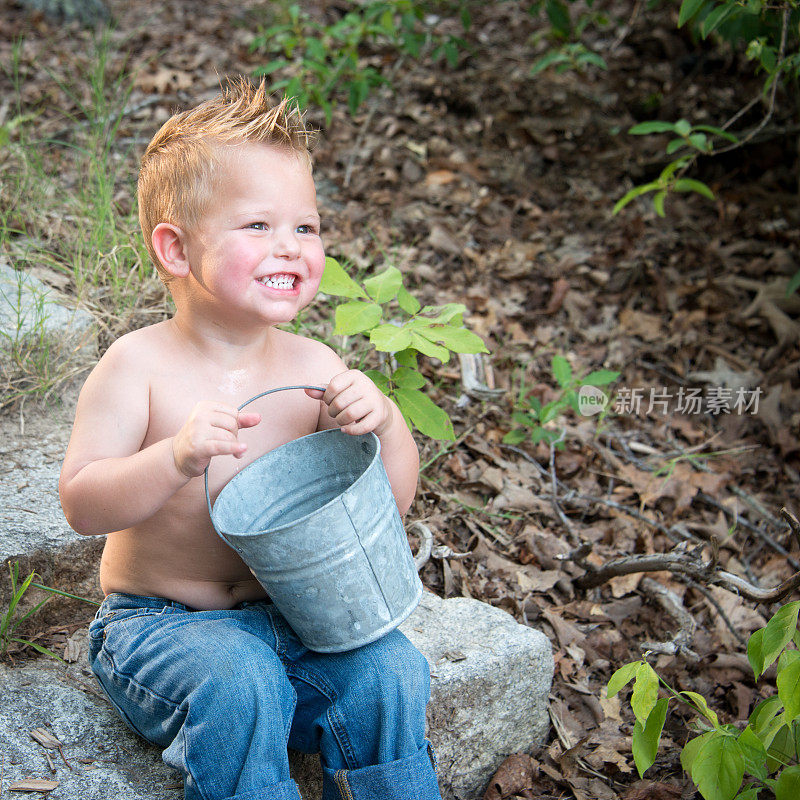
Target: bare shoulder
(121, 379)
(138, 348)
(112, 414)
(313, 361)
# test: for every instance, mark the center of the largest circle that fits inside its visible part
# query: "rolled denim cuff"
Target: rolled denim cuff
(285, 790)
(412, 778)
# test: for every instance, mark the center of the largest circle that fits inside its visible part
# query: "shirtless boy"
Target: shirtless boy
(186, 644)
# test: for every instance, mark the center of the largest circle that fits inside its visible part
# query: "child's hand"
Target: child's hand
(356, 403)
(211, 430)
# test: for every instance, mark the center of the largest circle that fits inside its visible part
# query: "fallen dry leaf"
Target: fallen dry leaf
(611, 707)
(440, 177)
(45, 738)
(534, 580)
(624, 584)
(560, 289)
(33, 785)
(515, 776)
(566, 632)
(638, 323)
(653, 791)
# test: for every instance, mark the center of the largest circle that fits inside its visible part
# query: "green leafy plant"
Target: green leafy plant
(393, 322)
(12, 618)
(768, 35)
(723, 761)
(697, 139)
(534, 419)
(568, 51)
(317, 63)
(571, 55)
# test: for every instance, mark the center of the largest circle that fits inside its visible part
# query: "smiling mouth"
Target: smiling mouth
(284, 281)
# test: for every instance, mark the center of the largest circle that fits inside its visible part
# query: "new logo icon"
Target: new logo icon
(591, 400)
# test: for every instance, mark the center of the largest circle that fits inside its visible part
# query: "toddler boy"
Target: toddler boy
(186, 644)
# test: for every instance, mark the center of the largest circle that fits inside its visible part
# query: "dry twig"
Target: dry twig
(681, 562)
(671, 603)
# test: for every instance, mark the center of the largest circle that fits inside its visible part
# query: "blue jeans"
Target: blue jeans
(225, 692)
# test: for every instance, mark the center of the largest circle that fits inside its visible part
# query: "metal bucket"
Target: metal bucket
(316, 522)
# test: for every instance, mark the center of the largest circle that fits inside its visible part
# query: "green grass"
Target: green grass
(11, 618)
(67, 210)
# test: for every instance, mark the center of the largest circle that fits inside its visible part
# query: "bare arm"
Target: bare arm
(107, 482)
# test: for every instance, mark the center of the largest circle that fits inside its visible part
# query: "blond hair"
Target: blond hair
(182, 163)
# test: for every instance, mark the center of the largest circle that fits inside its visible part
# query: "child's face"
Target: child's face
(258, 249)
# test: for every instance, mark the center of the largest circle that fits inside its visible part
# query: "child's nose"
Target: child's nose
(286, 244)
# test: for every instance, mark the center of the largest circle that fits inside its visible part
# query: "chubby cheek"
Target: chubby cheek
(316, 266)
(236, 266)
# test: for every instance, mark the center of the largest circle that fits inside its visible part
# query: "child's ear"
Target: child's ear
(169, 242)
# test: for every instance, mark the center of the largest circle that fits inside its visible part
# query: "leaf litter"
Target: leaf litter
(501, 200)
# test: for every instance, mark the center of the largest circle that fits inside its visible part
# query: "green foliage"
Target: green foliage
(316, 63)
(568, 51)
(11, 618)
(724, 762)
(689, 141)
(571, 55)
(768, 35)
(392, 321)
(534, 419)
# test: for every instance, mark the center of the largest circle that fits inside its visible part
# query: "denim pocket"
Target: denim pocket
(100, 624)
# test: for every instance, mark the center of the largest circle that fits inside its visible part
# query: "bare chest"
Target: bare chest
(285, 416)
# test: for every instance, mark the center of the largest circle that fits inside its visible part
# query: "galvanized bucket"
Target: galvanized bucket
(316, 522)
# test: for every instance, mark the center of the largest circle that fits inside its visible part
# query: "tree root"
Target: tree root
(682, 561)
(671, 603)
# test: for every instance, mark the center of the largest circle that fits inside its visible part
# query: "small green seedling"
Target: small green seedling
(724, 761)
(697, 140)
(534, 420)
(11, 619)
(382, 311)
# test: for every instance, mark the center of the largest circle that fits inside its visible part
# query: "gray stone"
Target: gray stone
(34, 530)
(106, 761)
(89, 13)
(28, 306)
(490, 681)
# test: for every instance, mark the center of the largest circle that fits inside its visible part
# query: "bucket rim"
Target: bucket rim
(294, 522)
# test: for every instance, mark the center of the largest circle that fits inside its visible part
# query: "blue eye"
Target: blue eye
(259, 226)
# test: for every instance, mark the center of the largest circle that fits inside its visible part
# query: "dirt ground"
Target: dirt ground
(494, 189)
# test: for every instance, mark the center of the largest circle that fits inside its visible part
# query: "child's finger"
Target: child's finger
(316, 394)
(248, 419)
(353, 412)
(363, 425)
(344, 400)
(223, 447)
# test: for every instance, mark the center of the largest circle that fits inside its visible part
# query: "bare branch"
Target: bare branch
(681, 562)
(425, 543)
(791, 520)
(554, 496)
(671, 603)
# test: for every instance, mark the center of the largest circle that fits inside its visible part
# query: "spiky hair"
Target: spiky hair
(181, 166)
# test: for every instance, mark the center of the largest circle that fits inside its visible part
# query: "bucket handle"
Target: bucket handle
(247, 403)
